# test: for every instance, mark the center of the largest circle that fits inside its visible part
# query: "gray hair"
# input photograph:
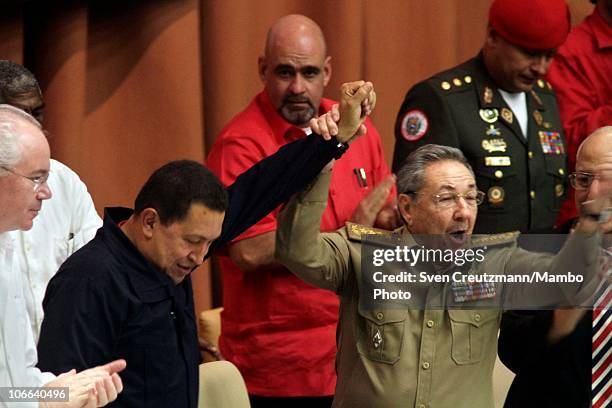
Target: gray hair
(10, 150)
(411, 176)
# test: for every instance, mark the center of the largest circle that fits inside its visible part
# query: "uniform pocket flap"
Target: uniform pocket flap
(475, 318)
(384, 316)
(555, 167)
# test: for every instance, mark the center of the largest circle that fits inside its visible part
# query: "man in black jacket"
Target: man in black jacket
(128, 292)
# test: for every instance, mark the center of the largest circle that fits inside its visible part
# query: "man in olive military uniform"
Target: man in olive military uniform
(401, 357)
(503, 116)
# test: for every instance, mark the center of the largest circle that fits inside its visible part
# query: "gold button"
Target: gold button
(467, 79)
(430, 323)
(541, 83)
(379, 316)
(530, 154)
(559, 190)
(456, 82)
(445, 85)
(532, 195)
(499, 174)
(426, 366)
(477, 317)
(561, 172)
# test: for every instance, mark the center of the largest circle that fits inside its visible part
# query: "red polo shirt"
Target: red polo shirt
(581, 74)
(278, 330)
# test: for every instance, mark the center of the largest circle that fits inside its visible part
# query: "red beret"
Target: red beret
(532, 24)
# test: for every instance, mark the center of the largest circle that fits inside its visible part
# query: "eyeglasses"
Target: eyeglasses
(581, 180)
(37, 180)
(446, 200)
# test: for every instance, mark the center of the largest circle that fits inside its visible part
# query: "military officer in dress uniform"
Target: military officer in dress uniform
(395, 356)
(503, 116)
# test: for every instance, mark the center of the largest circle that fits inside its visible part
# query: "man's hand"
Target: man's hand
(90, 388)
(352, 114)
(388, 217)
(564, 322)
(368, 209)
(345, 121)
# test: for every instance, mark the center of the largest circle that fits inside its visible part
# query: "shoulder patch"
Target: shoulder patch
(495, 239)
(355, 231)
(414, 125)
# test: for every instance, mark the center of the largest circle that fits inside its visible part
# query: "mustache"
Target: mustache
(297, 99)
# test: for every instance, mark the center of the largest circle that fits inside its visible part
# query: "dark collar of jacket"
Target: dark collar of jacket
(150, 283)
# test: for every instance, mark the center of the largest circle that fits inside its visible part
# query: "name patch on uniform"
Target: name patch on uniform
(498, 161)
(414, 125)
(551, 142)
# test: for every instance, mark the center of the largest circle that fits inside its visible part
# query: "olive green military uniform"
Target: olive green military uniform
(524, 178)
(391, 358)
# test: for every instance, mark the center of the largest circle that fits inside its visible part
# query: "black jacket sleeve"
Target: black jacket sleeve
(82, 321)
(272, 181)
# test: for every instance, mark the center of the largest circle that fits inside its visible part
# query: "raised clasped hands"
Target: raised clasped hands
(345, 121)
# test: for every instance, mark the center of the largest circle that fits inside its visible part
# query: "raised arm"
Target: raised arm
(273, 180)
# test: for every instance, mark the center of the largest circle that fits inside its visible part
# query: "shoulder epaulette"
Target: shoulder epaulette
(355, 231)
(495, 239)
(543, 86)
(452, 81)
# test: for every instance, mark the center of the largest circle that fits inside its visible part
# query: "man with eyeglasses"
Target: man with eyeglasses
(68, 222)
(24, 169)
(391, 355)
(551, 351)
(500, 112)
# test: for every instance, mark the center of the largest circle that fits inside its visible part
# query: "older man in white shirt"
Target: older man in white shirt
(24, 170)
(69, 221)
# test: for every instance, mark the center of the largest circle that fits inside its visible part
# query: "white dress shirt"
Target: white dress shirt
(17, 349)
(66, 222)
(518, 104)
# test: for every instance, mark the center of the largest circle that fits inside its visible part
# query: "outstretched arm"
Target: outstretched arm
(273, 180)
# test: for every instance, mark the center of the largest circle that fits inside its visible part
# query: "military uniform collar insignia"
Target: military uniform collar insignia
(536, 99)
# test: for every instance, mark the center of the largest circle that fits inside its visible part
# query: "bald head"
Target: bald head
(292, 29)
(594, 166)
(24, 167)
(596, 145)
(295, 68)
